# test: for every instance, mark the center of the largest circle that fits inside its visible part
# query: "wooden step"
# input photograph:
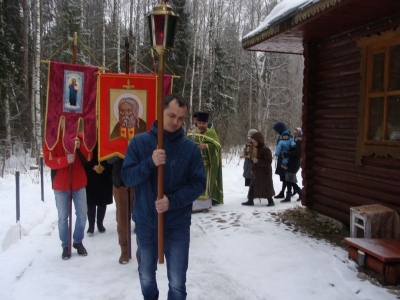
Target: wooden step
(380, 255)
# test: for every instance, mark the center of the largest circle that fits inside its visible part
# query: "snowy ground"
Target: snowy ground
(236, 253)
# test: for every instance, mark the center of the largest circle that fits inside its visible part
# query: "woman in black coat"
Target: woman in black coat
(293, 166)
(98, 191)
(261, 185)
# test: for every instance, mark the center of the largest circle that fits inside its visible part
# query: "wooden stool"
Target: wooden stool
(357, 221)
(376, 221)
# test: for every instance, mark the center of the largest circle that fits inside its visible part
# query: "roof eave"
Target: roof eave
(290, 22)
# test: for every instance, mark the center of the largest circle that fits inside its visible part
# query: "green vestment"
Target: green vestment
(212, 158)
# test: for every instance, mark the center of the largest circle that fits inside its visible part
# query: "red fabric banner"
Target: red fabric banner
(126, 106)
(71, 99)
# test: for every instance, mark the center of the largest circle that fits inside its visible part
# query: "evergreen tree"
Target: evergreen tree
(67, 20)
(11, 84)
(179, 56)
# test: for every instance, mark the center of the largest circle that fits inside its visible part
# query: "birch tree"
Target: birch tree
(35, 103)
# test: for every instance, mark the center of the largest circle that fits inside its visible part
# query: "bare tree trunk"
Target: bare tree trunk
(202, 42)
(131, 41)
(36, 116)
(25, 64)
(194, 38)
(103, 35)
(7, 121)
(250, 107)
(82, 13)
(211, 46)
(118, 33)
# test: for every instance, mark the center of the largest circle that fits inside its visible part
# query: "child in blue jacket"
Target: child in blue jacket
(285, 144)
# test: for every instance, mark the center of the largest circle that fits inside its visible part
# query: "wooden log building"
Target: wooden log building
(351, 99)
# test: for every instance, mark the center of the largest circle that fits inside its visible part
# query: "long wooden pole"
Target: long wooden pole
(74, 47)
(71, 167)
(128, 194)
(160, 141)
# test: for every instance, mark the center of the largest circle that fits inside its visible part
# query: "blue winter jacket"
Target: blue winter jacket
(184, 177)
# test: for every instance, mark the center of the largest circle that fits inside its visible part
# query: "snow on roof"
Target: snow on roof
(281, 11)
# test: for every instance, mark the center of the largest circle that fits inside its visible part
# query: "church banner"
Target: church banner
(71, 101)
(126, 106)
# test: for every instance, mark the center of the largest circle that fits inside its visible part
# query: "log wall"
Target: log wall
(331, 93)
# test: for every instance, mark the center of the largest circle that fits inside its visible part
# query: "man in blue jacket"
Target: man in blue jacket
(184, 182)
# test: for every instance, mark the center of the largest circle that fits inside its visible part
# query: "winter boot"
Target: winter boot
(288, 196)
(280, 195)
(124, 258)
(65, 254)
(101, 212)
(91, 218)
(79, 247)
(270, 202)
(249, 202)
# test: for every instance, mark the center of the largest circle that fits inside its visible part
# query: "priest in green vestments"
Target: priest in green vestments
(207, 139)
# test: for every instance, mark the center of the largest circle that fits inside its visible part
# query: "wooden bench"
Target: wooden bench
(380, 255)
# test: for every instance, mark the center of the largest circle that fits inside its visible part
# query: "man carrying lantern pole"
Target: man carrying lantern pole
(184, 181)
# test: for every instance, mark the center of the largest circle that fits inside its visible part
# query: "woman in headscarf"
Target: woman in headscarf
(261, 185)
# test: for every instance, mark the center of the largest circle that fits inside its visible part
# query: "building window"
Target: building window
(380, 97)
(383, 93)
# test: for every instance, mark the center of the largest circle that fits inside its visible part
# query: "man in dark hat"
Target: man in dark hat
(208, 142)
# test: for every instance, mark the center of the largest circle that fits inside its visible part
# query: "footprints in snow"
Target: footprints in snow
(230, 220)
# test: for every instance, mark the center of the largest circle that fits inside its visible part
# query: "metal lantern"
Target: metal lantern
(162, 26)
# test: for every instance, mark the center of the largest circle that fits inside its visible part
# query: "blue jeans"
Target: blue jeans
(62, 203)
(176, 250)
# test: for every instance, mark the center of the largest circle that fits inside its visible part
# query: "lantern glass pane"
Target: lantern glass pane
(171, 29)
(159, 22)
(149, 19)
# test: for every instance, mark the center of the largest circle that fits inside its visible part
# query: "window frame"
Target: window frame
(368, 47)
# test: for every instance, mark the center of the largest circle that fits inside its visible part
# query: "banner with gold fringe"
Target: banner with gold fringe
(126, 107)
(71, 104)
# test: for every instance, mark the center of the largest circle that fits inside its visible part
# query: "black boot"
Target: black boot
(298, 191)
(91, 218)
(280, 195)
(270, 202)
(101, 212)
(288, 196)
(249, 202)
(294, 192)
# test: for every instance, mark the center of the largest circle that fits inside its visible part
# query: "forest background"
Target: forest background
(240, 89)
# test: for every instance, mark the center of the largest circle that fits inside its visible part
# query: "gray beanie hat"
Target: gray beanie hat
(251, 132)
